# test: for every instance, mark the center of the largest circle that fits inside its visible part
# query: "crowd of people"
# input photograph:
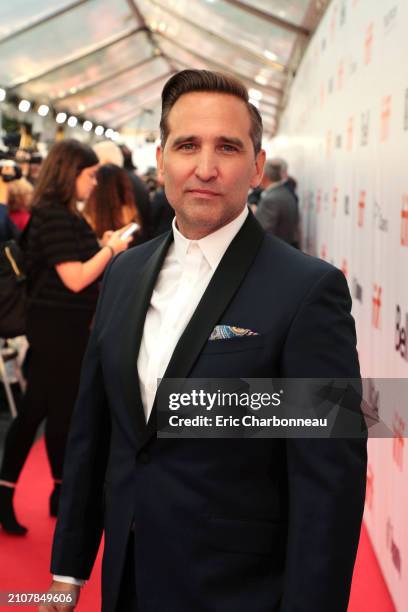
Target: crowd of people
(69, 213)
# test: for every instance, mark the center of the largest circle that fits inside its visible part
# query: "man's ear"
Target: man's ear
(259, 168)
(159, 161)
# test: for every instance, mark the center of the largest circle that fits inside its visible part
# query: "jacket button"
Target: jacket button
(144, 457)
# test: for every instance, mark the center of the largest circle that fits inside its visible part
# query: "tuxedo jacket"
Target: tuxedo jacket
(229, 525)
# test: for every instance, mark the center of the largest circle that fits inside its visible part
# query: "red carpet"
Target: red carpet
(24, 562)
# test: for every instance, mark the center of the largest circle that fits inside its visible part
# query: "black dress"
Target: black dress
(57, 330)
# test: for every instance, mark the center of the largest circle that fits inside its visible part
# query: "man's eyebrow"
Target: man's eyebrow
(231, 140)
(181, 139)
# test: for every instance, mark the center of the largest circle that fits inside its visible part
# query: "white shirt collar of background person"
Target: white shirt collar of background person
(212, 246)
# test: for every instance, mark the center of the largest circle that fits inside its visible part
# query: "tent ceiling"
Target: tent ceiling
(107, 60)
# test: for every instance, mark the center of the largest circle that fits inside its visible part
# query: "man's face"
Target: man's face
(208, 162)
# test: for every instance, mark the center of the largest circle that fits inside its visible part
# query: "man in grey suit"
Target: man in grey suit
(277, 211)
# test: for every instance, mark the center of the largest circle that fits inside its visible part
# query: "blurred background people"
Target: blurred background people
(277, 210)
(64, 265)
(20, 193)
(110, 153)
(112, 204)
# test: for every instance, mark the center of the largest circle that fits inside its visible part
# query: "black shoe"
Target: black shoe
(7, 517)
(54, 499)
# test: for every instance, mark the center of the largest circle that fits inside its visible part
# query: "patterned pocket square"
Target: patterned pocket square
(222, 332)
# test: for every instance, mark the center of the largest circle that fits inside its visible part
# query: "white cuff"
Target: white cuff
(69, 580)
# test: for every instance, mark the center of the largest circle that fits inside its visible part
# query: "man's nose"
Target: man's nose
(206, 168)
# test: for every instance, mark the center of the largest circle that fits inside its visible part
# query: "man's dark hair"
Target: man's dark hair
(188, 81)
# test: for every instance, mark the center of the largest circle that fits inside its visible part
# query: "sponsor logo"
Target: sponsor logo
(361, 208)
(343, 13)
(331, 85)
(398, 428)
(329, 139)
(390, 19)
(349, 134)
(340, 75)
(376, 307)
(385, 118)
(370, 487)
(368, 44)
(379, 220)
(401, 333)
(338, 141)
(365, 128)
(404, 220)
(357, 291)
(392, 546)
(346, 205)
(318, 201)
(406, 110)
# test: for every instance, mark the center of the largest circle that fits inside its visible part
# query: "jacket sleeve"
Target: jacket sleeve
(80, 519)
(326, 477)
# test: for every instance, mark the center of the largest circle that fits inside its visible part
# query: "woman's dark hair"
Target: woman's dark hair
(56, 183)
(188, 81)
(113, 191)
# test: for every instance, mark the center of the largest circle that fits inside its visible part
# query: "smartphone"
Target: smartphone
(130, 230)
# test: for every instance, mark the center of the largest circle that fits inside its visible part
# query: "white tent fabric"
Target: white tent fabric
(107, 60)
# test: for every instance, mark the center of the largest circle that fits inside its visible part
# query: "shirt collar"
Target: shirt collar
(212, 246)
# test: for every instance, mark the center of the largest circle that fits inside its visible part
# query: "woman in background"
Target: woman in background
(111, 204)
(64, 266)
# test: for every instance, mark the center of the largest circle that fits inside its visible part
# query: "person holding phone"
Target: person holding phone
(65, 264)
(111, 204)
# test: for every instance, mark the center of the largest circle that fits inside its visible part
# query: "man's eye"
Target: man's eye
(228, 148)
(187, 146)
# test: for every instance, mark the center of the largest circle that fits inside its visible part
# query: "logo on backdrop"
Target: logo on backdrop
(385, 118)
(406, 110)
(376, 307)
(334, 201)
(319, 201)
(392, 546)
(328, 143)
(340, 75)
(361, 208)
(343, 13)
(404, 220)
(398, 427)
(365, 128)
(370, 487)
(346, 205)
(390, 19)
(357, 291)
(349, 134)
(379, 220)
(401, 331)
(368, 44)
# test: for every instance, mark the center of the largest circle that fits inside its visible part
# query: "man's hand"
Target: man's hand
(65, 588)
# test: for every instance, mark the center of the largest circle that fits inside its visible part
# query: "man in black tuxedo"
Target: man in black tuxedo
(198, 525)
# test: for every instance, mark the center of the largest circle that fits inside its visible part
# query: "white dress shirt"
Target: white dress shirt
(186, 272)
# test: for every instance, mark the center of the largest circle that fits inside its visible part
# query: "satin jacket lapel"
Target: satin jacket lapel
(219, 293)
(134, 318)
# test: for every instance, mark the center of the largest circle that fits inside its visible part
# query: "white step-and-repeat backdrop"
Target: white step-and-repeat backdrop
(345, 135)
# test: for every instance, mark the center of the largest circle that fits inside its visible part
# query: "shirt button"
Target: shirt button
(144, 457)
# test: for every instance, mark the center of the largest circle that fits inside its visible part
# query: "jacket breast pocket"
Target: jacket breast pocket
(231, 345)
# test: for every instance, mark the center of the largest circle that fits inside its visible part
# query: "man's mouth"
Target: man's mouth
(204, 193)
